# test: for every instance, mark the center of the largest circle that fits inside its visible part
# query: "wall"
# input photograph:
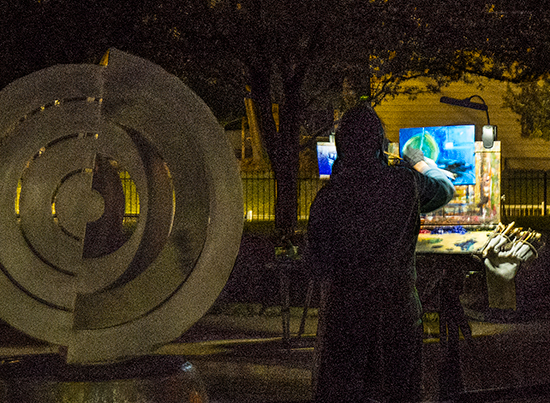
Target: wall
(426, 110)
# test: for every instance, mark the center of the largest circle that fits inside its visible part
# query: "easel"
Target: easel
(447, 287)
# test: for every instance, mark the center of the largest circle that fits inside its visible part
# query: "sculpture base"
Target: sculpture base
(48, 379)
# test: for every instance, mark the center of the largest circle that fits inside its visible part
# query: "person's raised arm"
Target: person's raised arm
(434, 186)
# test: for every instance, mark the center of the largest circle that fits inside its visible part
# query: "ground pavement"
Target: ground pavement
(241, 356)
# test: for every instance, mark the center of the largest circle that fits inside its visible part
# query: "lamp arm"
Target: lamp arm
(486, 109)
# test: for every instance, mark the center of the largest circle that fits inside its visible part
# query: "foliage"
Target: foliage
(531, 103)
(296, 53)
(300, 53)
(38, 34)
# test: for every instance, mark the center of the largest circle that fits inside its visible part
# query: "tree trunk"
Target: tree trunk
(283, 146)
(287, 161)
(259, 156)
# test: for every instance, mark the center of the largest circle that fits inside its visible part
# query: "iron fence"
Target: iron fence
(131, 208)
(525, 193)
(259, 194)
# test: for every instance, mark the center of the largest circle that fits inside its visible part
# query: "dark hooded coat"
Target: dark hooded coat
(362, 234)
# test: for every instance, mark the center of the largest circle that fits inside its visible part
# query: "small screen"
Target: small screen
(451, 148)
(326, 155)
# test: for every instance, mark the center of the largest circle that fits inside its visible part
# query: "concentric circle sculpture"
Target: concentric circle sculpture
(75, 269)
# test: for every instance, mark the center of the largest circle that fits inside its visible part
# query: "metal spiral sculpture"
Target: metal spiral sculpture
(73, 270)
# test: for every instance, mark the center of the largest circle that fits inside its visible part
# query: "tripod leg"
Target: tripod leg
(307, 304)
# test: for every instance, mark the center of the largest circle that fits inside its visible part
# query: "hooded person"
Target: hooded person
(361, 240)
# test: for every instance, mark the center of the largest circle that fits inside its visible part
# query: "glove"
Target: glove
(431, 163)
(504, 267)
(505, 263)
(413, 156)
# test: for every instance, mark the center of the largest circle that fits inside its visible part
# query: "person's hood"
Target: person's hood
(360, 137)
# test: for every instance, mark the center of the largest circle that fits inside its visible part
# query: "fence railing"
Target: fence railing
(259, 193)
(525, 193)
(131, 208)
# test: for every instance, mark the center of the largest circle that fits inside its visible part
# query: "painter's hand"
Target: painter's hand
(431, 163)
(413, 156)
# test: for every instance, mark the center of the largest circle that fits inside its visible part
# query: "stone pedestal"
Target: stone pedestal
(147, 379)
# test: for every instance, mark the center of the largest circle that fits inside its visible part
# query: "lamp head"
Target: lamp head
(489, 135)
(466, 103)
